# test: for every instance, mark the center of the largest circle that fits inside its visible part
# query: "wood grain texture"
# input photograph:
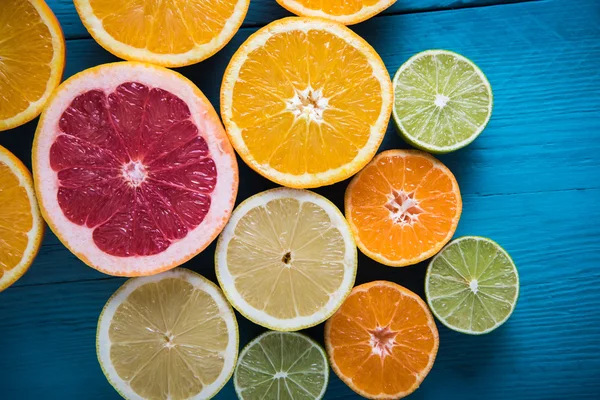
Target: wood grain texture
(530, 182)
(262, 12)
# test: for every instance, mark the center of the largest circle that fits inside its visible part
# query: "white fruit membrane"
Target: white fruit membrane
(79, 238)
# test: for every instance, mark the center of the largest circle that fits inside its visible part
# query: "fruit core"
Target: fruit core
(308, 103)
(441, 100)
(474, 286)
(287, 258)
(382, 340)
(133, 167)
(403, 207)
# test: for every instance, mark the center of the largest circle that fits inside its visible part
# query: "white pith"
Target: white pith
(79, 238)
(226, 280)
(103, 342)
(58, 44)
(441, 101)
(197, 54)
(258, 40)
(363, 14)
(37, 227)
(246, 348)
(473, 284)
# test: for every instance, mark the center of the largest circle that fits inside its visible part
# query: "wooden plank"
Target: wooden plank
(547, 350)
(529, 146)
(261, 12)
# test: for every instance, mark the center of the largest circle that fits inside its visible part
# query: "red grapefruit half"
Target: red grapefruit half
(133, 170)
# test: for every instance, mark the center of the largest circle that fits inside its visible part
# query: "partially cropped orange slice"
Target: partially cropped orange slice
(306, 102)
(403, 207)
(32, 59)
(343, 11)
(382, 341)
(170, 33)
(21, 225)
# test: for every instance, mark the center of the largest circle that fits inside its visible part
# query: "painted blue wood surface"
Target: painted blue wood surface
(531, 182)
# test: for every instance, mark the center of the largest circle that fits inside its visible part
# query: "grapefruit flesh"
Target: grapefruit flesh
(133, 167)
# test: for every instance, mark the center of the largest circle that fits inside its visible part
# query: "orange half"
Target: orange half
(21, 225)
(382, 341)
(403, 207)
(343, 11)
(170, 33)
(32, 59)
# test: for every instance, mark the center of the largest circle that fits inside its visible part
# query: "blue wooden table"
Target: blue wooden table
(531, 181)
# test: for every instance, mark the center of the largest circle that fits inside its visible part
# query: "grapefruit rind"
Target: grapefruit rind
(306, 180)
(425, 255)
(198, 281)
(259, 317)
(36, 234)
(77, 238)
(422, 374)
(57, 65)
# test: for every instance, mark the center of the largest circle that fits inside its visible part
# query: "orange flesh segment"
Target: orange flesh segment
(25, 54)
(163, 27)
(338, 7)
(15, 220)
(431, 187)
(291, 62)
(412, 340)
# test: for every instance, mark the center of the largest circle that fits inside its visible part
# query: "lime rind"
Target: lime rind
(458, 289)
(278, 363)
(425, 145)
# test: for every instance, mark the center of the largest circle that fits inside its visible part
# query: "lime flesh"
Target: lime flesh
(472, 285)
(442, 101)
(281, 365)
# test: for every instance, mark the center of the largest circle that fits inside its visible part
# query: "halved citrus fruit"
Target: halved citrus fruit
(306, 102)
(442, 101)
(32, 59)
(382, 342)
(134, 172)
(343, 11)
(282, 365)
(286, 260)
(170, 33)
(472, 285)
(21, 225)
(168, 336)
(403, 207)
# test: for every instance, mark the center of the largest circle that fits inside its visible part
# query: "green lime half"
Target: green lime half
(281, 365)
(472, 285)
(442, 101)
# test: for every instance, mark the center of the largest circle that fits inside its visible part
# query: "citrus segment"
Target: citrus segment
(170, 336)
(168, 33)
(21, 225)
(283, 365)
(286, 260)
(472, 285)
(306, 102)
(32, 59)
(345, 12)
(442, 101)
(403, 207)
(135, 172)
(382, 342)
